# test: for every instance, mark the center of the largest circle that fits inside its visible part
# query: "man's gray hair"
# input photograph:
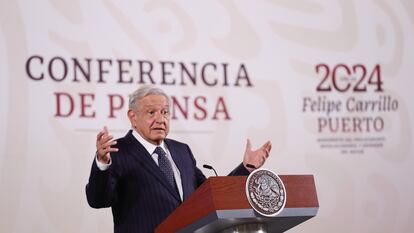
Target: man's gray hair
(144, 91)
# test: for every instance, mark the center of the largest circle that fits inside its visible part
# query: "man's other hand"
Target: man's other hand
(104, 141)
(256, 157)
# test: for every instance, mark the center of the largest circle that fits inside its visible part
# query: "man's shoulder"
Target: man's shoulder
(126, 139)
(175, 143)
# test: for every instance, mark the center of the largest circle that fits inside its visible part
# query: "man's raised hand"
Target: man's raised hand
(256, 157)
(104, 141)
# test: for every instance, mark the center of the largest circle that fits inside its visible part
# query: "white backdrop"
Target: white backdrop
(259, 67)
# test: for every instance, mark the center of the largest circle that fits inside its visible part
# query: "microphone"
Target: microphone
(250, 166)
(210, 167)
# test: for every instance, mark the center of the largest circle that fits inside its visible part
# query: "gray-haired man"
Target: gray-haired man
(144, 176)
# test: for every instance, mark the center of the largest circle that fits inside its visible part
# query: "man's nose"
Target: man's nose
(159, 117)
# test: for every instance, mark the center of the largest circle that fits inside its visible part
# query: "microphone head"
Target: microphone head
(207, 166)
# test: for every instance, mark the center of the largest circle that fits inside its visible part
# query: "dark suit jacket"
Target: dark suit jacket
(137, 190)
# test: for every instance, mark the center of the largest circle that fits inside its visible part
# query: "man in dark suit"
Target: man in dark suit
(144, 176)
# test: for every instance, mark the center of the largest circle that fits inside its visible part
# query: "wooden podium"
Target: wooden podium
(220, 204)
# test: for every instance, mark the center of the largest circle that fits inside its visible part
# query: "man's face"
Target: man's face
(151, 119)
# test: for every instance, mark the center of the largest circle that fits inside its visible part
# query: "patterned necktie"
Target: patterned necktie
(165, 165)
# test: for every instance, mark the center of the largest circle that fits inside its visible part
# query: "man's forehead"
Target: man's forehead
(152, 105)
(154, 97)
(154, 101)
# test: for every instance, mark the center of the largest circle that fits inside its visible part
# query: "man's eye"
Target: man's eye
(165, 112)
(151, 113)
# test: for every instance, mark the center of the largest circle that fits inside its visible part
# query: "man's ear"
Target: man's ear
(131, 116)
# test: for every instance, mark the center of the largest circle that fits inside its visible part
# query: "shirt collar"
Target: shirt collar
(147, 145)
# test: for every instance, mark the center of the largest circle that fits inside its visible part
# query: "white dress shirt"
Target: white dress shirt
(151, 148)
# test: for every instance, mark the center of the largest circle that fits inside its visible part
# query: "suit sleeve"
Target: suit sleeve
(100, 190)
(199, 176)
(239, 171)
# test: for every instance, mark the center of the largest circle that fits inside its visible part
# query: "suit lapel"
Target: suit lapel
(144, 158)
(178, 160)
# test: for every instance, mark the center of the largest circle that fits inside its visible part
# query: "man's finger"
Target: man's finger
(248, 145)
(266, 153)
(266, 148)
(100, 134)
(113, 149)
(106, 150)
(103, 131)
(105, 139)
(266, 144)
(109, 144)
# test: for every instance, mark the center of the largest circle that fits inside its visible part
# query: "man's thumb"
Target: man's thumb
(248, 145)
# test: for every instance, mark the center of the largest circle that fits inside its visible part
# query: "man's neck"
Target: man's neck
(149, 146)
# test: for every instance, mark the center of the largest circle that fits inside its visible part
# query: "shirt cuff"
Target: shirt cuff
(102, 166)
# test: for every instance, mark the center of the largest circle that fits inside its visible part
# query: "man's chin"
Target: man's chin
(159, 136)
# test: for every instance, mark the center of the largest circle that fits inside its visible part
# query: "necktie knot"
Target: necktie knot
(159, 151)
